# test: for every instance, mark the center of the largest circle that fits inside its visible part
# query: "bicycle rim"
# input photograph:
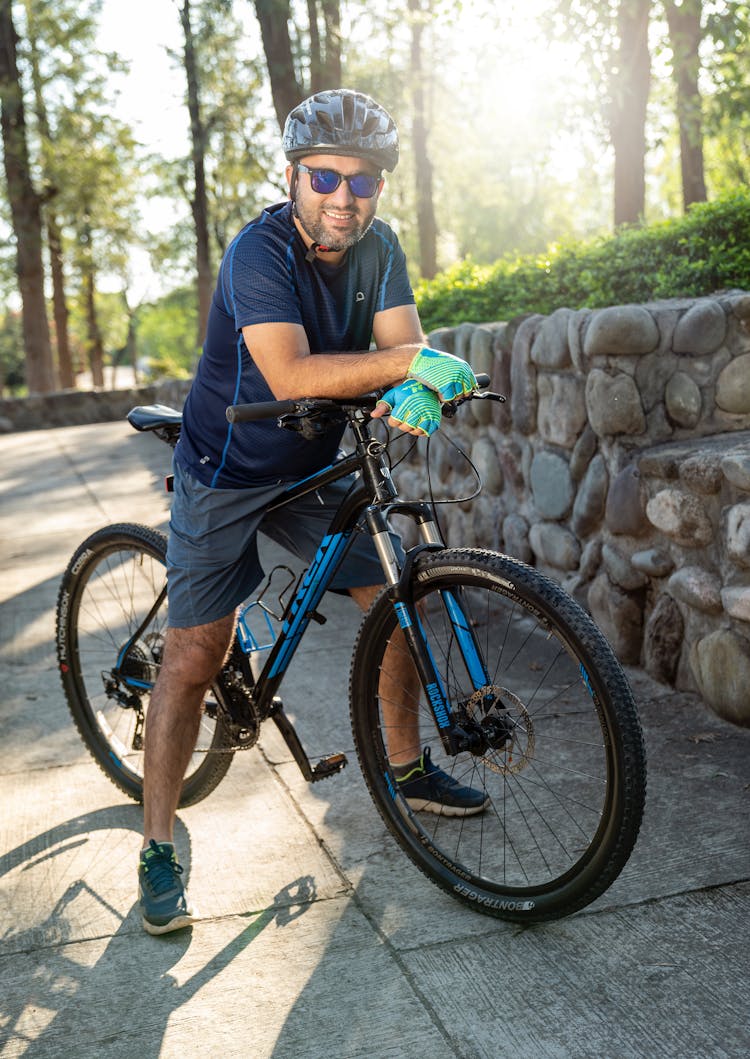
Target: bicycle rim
(562, 765)
(111, 584)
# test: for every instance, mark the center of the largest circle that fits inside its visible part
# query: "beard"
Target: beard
(322, 232)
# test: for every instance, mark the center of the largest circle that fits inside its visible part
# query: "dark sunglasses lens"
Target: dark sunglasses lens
(363, 186)
(324, 181)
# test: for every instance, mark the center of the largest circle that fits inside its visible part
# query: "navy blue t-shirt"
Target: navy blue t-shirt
(264, 278)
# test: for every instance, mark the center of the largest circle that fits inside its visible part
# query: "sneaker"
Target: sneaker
(162, 899)
(428, 788)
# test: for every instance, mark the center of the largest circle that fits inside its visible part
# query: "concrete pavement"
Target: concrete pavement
(318, 938)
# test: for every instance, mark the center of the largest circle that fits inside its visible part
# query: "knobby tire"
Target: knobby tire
(566, 792)
(108, 588)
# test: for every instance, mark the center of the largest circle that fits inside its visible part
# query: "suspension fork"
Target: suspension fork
(452, 736)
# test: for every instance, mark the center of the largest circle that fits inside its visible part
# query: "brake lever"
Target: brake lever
(449, 408)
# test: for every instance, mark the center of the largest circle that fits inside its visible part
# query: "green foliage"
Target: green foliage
(165, 335)
(705, 251)
(12, 375)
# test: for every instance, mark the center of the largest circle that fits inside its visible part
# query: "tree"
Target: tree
(289, 85)
(630, 83)
(198, 201)
(26, 212)
(54, 235)
(286, 90)
(426, 225)
(685, 34)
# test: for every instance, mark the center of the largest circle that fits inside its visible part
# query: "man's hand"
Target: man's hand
(448, 376)
(413, 408)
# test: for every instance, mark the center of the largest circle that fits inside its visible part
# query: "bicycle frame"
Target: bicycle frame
(377, 498)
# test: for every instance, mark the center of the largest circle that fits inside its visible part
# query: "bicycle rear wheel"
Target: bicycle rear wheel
(113, 581)
(558, 747)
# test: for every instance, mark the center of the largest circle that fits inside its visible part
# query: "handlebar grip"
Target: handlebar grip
(246, 413)
(483, 380)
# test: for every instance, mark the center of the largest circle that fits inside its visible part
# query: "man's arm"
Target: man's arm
(282, 353)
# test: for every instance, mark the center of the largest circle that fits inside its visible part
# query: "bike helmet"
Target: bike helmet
(340, 121)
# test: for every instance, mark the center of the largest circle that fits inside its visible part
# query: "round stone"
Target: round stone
(681, 517)
(551, 485)
(738, 534)
(523, 377)
(702, 329)
(619, 616)
(590, 501)
(622, 329)
(620, 569)
(555, 545)
(696, 587)
(624, 512)
(720, 663)
(653, 562)
(561, 414)
(516, 537)
(550, 349)
(583, 452)
(733, 386)
(736, 469)
(484, 458)
(662, 643)
(613, 404)
(683, 400)
(736, 602)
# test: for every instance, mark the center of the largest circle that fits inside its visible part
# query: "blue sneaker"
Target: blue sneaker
(162, 899)
(428, 788)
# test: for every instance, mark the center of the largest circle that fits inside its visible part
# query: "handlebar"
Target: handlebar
(250, 413)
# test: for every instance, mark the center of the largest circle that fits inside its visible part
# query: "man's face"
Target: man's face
(339, 219)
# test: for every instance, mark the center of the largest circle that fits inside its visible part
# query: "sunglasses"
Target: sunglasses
(325, 182)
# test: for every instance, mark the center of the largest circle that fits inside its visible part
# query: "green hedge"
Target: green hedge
(705, 251)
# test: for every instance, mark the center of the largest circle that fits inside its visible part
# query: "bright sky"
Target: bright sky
(151, 97)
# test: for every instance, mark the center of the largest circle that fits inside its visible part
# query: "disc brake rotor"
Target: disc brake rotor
(508, 713)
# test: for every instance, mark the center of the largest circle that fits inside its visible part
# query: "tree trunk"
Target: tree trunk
(93, 333)
(317, 82)
(332, 23)
(25, 212)
(685, 35)
(59, 303)
(630, 88)
(426, 225)
(199, 201)
(286, 91)
(66, 376)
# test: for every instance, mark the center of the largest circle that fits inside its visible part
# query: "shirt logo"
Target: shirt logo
(359, 296)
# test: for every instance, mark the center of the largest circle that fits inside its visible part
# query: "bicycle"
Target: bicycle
(522, 695)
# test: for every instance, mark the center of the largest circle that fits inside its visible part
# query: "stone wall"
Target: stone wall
(620, 465)
(74, 407)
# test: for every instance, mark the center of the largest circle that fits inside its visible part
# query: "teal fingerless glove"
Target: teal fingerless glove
(414, 405)
(448, 376)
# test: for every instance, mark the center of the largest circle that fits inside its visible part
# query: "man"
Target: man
(300, 290)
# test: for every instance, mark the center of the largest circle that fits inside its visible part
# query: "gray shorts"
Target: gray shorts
(212, 554)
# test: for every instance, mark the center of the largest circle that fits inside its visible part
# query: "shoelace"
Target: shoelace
(161, 868)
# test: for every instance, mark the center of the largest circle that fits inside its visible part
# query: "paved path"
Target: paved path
(318, 938)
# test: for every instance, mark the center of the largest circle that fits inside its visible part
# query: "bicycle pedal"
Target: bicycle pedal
(328, 766)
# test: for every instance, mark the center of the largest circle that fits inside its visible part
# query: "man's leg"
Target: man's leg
(425, 786)
(192, 658)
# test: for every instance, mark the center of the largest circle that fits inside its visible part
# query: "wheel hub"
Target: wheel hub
(504, 728)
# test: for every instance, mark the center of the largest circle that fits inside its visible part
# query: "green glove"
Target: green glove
(414, 405)
(448, 376)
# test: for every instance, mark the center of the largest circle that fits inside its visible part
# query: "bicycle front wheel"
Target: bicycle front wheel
(114, 582)
(557, 746)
